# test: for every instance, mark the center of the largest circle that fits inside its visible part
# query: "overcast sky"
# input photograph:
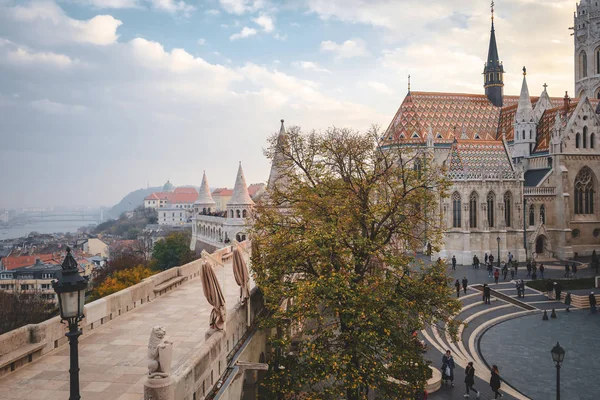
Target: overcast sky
(101, 97)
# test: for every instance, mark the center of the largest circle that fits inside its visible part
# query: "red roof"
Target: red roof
(185, 195)
(188, 190)
(254, 188)
(12, 262)
(222, 192)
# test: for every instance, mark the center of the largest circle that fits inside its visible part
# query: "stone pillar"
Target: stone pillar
(159, 389)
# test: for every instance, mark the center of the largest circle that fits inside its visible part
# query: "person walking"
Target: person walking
(485, 258)
(495, 382)
(490, 269)
(528, 268)
(470, 379)
(518, 286)
(486, 294)
(457, 286)
(504, 271)
(465, 282)
(496, 275)
(510, 257)
(574, 269)
(542, 271)
(474, 261)
(557, 291)
(453, 263)
(448, 367)
(491, 259)
(512, 274)
(592, 303)
(566, 275)
(515, 266)
(568, 301)
(534, 271)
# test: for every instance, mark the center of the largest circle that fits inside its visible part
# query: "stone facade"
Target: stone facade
(586, 34)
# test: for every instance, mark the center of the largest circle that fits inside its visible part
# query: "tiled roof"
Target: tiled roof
(479, 159)
(188, 190)
(12, 262)
(254, 188)
(153, 196)
(534, 176)
(222, 192)
(187, 196)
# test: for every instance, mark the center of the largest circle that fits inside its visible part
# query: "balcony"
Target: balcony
(539, 191)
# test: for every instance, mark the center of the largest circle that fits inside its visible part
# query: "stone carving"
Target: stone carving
(160, 354)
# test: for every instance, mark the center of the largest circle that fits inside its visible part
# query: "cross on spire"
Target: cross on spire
(545, 86)
(492, 7)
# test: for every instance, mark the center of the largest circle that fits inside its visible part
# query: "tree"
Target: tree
(173, 251)
(120, 280)
(335, 240)
(19, 308)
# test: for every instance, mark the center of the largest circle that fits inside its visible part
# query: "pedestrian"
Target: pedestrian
(485, 258)
(486, 294)
(512, 274)
(592, 303)
(491, 258)
(574, 269)
(504, 271)
(496, 275)
(470, 379)
(568, 301)
(465, 282)
(448, 368)
(457, 286)
(490, 269)
(453, 263)
(566, 275)
(542, 271)
(557, 290)
(474, 261)
(510, 257)
(495, 382)
(528, 268)
(522, 284)
(518, 286)
(515, 266)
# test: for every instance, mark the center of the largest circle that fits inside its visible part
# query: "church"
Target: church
(523, 169)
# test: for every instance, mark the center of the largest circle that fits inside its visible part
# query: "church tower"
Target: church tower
(524, 125)
(586, 33)
(493, 71)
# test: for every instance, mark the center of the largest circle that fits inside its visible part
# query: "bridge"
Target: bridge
(66, 216)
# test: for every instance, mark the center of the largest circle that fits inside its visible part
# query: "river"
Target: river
(48, 226)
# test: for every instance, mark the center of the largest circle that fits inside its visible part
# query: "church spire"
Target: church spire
(277, 166)
(493, 70)
(524, 109)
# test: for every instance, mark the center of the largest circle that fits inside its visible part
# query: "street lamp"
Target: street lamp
(70, 289)
(498, 240)
(558, 355)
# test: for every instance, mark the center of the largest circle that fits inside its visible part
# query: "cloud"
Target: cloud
(23, 56)
(50, 24)
(116, 4)
(265, 22)
(310, 66)
(280, 37)
(380, 87)
(173, 7)
(240, 7)
(244, 33)
(51, 107)
(201, 41)
(349, 49)
(212, 12)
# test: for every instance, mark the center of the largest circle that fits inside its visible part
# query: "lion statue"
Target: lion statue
(160, 352)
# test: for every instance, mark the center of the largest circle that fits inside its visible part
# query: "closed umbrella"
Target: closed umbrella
(240, 272)
(214, 295)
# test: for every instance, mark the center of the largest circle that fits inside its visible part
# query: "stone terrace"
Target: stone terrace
(113, 356)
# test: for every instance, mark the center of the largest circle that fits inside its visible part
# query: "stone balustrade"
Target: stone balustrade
(539, 191)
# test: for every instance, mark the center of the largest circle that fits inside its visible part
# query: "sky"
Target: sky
(102, 97)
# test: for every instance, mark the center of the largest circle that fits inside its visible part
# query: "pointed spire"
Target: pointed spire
(204, 196)
(276, 173)
(240, 194)
(493, 70)
(524, 109)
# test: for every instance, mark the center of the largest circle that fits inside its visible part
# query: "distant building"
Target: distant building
(4, 217)
(181, 197)
(221, 197)
(172, 216)
(14, 262)
(95, 247)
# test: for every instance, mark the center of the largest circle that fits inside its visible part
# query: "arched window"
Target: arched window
(577, 140)
(530, 134)
(491, 199)
(584, 192)
(473, 210)
(231, 213)
(542, 214)
(456, 210)
(507, 208)
(418, 166)
(531, 215)
(583, 65)
(244, 213)
(238, 214)
(524, 137)
(598, 61)
(592, 140)
(585, 137)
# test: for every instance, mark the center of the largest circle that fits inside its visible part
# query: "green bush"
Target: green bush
(565, 284)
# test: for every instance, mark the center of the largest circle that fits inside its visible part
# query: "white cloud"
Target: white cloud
(201, 41)
(280, 37)
(311, 66)
(212, 12)
(173, 7)
(51, 24)
(51, 107)
(116, 4)
(240, 7)
(348, 49)
(244, 33)
(380, 87)
(23, 56)
(265, 22)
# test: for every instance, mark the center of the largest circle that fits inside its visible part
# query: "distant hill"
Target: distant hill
(131, 201)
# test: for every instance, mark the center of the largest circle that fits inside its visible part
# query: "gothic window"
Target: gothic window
(531, 215)
(542, 214)
(231, 213)
(491, 199)
(583, 65)
(238, 214)
(244, 214)
(473, 210)
(592, 140)
(418, 166)
(584, 137)
(456, 210)
(598, 61)
(507, 208)
(577, 140)
(523, 137)
(530, 134)
(584, 192)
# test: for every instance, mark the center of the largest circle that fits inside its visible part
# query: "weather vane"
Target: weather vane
(492, 9)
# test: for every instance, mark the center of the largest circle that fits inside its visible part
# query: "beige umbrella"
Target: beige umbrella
(240, 271)
(214, 295)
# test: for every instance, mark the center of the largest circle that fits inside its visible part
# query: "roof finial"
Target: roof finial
(408, 83)
(545, 86)
(492, 7)
(524, 71)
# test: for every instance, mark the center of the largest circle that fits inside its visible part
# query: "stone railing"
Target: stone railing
(538, 162)
(23, 345)
(539, 191)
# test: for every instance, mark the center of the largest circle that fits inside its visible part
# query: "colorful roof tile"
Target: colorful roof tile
(479, 159)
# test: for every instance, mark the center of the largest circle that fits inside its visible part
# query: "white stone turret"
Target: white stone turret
(205, 202)
(239, 208)
(278, 175)
(525, 124)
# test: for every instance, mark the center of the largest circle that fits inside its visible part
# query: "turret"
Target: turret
(240, 204)
(205, 203)
(277, 175)
(525, 124)
(587, 50)
(493, 71)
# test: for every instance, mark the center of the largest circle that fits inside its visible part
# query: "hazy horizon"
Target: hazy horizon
(101, 97)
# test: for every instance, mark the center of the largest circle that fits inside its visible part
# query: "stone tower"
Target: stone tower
(239, 209)
(525, 124)
(493, 80)
(205, 203)
(586, 33)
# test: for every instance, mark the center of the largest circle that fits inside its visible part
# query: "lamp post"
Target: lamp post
(70, 288)
(558, 355)
(498, 240)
